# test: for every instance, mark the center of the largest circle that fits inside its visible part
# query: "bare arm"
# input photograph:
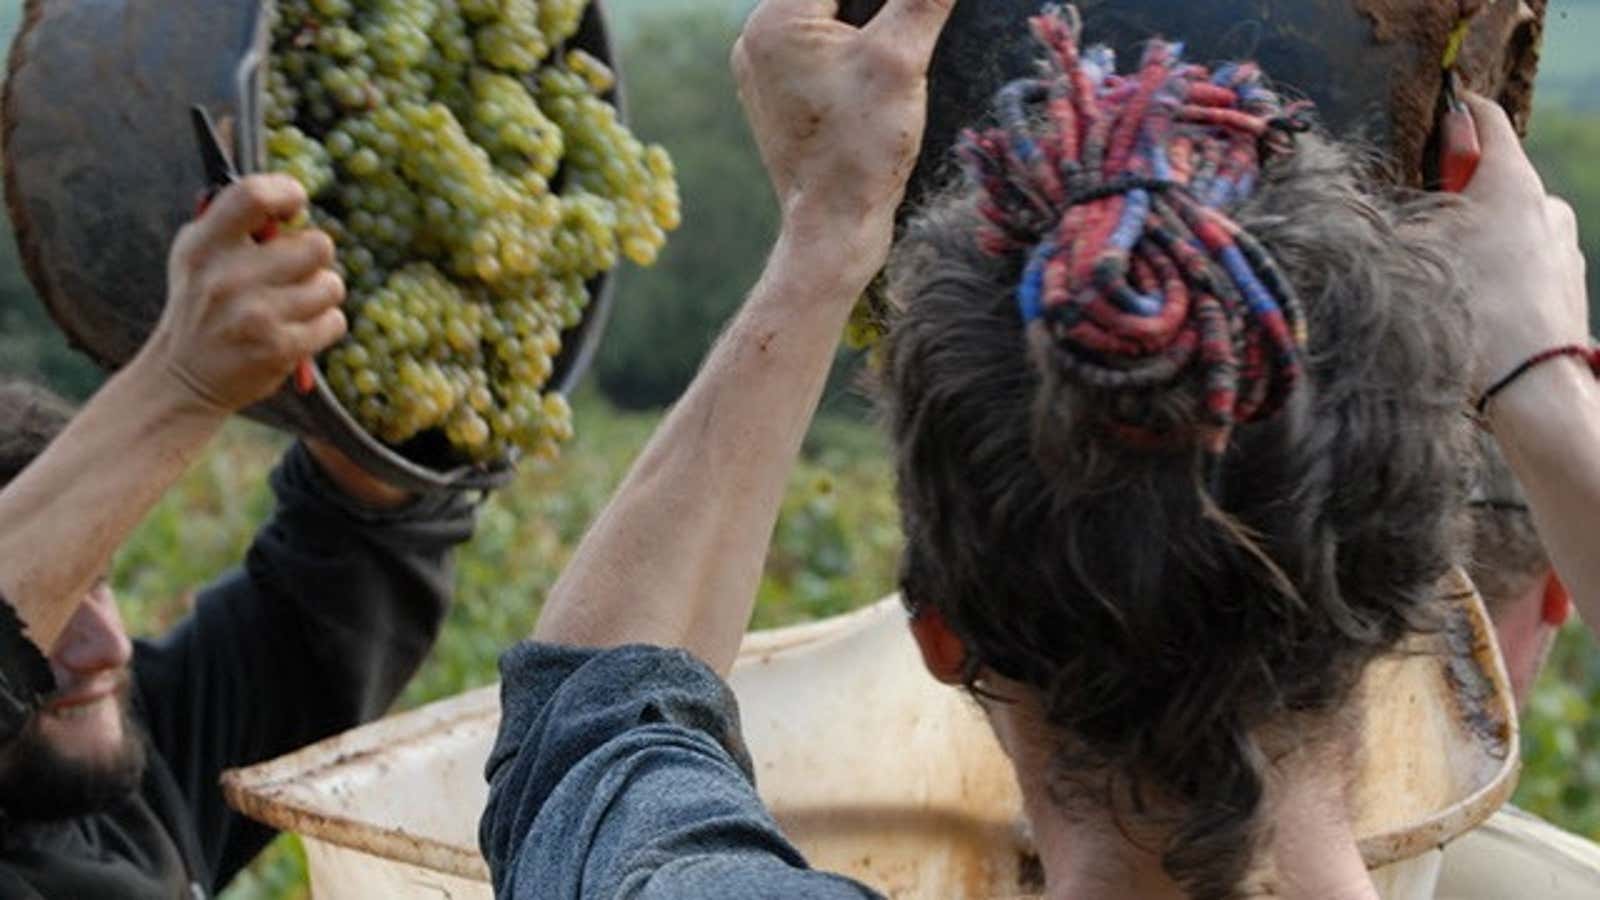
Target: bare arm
(1548, 427)
(676, 558)
(1529, 294)
(238, 317)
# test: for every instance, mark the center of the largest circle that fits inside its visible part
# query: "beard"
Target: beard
(40, 783)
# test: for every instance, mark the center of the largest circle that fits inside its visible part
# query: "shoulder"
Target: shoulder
(1517, 854)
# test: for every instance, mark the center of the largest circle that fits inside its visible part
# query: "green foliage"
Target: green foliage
(836, 544)
(1560, 770)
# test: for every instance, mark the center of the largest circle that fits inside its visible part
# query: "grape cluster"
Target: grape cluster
(474, 179)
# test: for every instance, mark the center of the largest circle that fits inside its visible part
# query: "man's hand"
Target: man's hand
(239, 317)
(1527, 288)
(839, 111)
(240, 314)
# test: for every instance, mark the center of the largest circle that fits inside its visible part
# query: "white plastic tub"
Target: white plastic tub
(876, 771)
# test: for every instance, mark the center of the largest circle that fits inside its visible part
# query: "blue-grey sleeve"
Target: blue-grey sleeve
(622, 774)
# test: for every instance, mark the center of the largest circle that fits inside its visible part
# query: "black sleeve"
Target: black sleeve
(333, 611)
(622, 773)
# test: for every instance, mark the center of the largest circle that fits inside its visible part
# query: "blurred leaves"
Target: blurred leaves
(1560, 731)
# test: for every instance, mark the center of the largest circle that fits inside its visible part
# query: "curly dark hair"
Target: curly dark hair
(30, 418)
(1167, 604)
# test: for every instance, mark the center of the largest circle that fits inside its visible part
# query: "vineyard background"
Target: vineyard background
(836, 544)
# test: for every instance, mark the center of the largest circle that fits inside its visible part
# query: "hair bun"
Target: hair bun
(1112, 190)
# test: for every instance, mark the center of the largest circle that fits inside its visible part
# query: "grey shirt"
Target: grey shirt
(622, 774)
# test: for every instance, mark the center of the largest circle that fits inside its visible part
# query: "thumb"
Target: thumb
(1505, 164)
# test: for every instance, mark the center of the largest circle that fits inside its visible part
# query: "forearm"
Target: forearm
(676, 558)
(1548, 427)
(64, 517)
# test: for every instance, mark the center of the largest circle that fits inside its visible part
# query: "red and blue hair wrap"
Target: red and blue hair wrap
(1115, 188)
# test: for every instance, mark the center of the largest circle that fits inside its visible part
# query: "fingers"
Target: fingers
(287, 259)
(914, 25)
(244, 208)
(1505, 165)
(312, 336)
(308, 299)
(1495, 131)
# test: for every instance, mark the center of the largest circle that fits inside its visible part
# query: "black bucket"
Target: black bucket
(102, 169)
(1373, 67)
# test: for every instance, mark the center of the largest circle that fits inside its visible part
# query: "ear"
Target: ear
(1557, 608)
(942, 651)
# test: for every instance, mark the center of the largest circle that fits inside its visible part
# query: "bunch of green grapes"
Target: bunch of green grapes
(475, 179)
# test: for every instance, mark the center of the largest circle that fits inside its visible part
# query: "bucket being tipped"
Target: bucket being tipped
(1374, 68)
(102, 170)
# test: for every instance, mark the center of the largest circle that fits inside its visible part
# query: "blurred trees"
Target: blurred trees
(681, 94)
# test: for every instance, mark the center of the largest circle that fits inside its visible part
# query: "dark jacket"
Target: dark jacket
(333, 611)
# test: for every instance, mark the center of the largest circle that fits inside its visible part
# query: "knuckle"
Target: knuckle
(336, 286)
(894, 60)
(338, 325)
(327, 288)
(255, 194)
(1563, 212)
(322, 248)
(255, 328)
(217, 284)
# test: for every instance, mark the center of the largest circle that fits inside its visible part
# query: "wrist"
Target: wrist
(1551, 404)
(162, 379)
(840, 260)
(166, 395)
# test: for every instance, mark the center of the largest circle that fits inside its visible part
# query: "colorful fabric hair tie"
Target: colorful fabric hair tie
(1114, 189)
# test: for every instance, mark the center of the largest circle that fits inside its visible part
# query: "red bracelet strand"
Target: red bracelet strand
(1590, 355)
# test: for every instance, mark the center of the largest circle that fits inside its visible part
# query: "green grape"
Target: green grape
(473, 184)
(295, 154)
(332, 9)
(507, 122)
(512, 39)
(559, 19)
(605, 159)
(282, 100)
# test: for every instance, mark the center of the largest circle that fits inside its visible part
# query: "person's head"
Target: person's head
(1177, 480)
(80, 752)
(1507, 561)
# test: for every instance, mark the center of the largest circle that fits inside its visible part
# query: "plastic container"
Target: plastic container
(1372, 66)
(878, 772)
(102, 170)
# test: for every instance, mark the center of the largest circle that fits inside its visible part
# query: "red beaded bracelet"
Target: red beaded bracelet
(1590, 355)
